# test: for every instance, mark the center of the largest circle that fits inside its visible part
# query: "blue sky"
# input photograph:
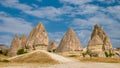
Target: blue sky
(20, 16)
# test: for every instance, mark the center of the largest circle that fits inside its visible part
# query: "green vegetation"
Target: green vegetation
(84, 54)
(93, 55)
(21, 51)
(109, 54)
(72, 56)
(3, 52)
(4, 60)
(52, 50)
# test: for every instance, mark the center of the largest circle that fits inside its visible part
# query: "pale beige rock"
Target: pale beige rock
(69, 42)
(23, 41)
(95, 44)
(52, 46)
(37, 38)
(107, 44)
(15, 45)
(99, 42)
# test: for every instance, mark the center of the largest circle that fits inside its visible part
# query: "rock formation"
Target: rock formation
(52, 46)
(69, 43)
(3, 49)
(38, 38)
(23, 40)
(15, 46)
(99, 41)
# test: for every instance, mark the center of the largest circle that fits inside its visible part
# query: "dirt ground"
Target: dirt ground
(65, 63)
(73, 65)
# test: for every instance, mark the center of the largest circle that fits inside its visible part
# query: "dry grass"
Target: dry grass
(3, 57)
(98, 59)
(39, 59)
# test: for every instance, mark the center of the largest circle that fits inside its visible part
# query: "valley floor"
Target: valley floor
(73, 65)
(64, 62)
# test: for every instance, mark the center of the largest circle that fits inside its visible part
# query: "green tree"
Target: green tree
(21, 51)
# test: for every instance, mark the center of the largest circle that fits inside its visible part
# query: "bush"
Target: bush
(4, 60)
(106, 54)
(52, 50)
(93, 55)
(21, 51)
(49, 51)
(109, 54)
(84, 53)
(72, 56)
(3, 52)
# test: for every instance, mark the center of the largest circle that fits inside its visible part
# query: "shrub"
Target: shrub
(85, 53)
(109, 54)
(106, 54)
(93, 55)
(21, 51)
(49, 51)
(3, 52)
(4, 60)
(72, 56)
(54, 50)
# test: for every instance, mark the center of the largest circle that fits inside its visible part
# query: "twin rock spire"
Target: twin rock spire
(38, 39)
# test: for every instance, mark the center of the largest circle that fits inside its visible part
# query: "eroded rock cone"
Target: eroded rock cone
(15, 45)
(52, 46)
(23, 41)
(38, 38)
(99, 41)
(69, 42)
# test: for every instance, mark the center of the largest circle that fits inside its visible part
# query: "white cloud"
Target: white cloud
(75, 2)
(109, 1)
(39, 0)
(11, 26)
(14, 25)
(15, 4)
(50, 12)
(45, 12)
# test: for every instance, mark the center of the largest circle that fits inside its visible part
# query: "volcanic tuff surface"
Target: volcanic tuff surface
(23, 41)
(99, 41)
(38, 37)
(69, 42)
(15, 45)
(52, 46)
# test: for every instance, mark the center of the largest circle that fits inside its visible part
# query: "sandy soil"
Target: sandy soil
(73, 65)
